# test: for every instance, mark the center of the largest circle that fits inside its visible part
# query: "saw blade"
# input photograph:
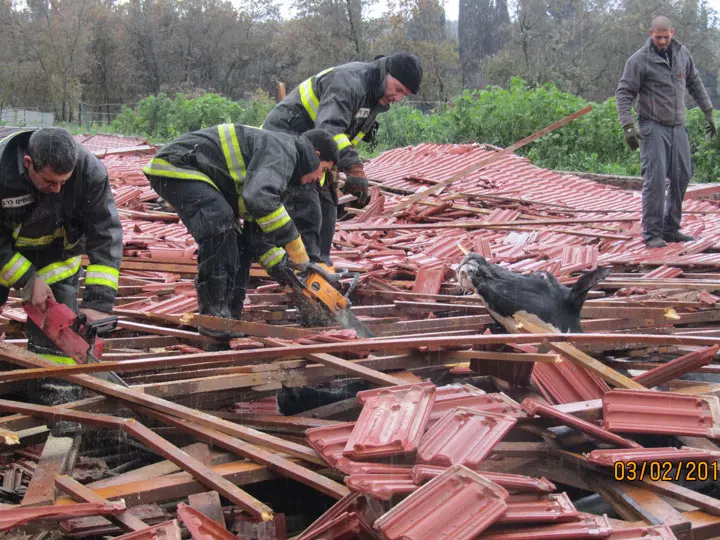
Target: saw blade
(347, 319)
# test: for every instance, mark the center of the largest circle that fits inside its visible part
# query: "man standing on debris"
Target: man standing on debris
(658, 75)
(344, 100)
(56, 205)
(215, 176)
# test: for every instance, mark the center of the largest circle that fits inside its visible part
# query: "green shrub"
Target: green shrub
(162, 118)
(497, 116)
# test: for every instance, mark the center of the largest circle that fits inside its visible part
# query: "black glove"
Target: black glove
(631, 136)
(711, 128)
(370, 135)
(358, 186)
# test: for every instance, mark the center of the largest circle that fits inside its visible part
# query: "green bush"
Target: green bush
(162, 118)
(497, 116)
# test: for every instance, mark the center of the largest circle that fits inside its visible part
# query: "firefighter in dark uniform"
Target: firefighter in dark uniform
(216, 176)
(345, 101)
(56, 205)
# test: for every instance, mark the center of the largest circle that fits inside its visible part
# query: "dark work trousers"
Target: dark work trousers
(225, 251)
(664, 156)
(313, 209)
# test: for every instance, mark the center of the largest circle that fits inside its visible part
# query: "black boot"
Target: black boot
(214, 300)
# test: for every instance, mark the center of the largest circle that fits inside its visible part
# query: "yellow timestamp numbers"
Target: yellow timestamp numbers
(666, 471)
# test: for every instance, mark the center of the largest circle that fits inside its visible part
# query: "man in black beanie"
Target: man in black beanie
(344, 100)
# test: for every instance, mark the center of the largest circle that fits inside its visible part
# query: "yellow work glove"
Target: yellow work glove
(296, 253)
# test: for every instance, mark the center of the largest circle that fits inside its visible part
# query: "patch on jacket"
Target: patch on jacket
(17, 202)
(363, 113)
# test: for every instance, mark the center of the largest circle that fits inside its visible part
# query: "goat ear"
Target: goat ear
(587, 281)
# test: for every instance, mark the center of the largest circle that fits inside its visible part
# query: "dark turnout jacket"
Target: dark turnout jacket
(659, 86)
(342, 100)
(250, 167)
(47, 233)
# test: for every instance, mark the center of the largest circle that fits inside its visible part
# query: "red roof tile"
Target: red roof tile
(391, 422)
(459, 504)
(463, 437)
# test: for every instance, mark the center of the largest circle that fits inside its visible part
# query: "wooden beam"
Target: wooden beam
(532, 324)
(57, 458)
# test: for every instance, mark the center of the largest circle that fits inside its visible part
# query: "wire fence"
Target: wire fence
(101, 113)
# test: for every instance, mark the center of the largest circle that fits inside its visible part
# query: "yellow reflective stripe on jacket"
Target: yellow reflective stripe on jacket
(8, 137)
(231, 149)
(342, 141)
(161, 167)
(358, 138)
(98, 274)
(275, 220)
(271, 257)
(307, 95)
(58, 359)
(24, 241)
(13, 270)
(55, 272)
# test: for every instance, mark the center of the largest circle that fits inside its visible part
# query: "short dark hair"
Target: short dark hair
(52, 147)
(323, 143)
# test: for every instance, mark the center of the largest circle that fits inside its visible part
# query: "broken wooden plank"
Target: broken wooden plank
(57, 458)
(209, 504)
(84, 494)
(531, 323)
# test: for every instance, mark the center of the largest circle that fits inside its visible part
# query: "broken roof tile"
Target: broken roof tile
(512, 482)
(391, 422)
(459, 505)
(534, 407)
(496, 403)
(643, 411)
(586, 527)
(642, 455)
(463, 437)
(553, 508)
(382, 486)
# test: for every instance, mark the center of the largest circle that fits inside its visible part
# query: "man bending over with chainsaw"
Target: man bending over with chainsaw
(55, 206)
(216, 176)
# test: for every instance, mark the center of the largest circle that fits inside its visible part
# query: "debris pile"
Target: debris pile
(462, 418)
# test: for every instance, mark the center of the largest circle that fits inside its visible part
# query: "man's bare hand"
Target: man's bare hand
(93, 314)
(36, 292)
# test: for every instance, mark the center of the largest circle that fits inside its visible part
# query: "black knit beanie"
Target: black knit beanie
(406, 68)
(323, 142)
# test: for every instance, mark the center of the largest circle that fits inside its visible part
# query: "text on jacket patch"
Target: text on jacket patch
(17, 202)
(363, 113)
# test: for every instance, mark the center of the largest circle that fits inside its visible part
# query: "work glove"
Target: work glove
(711, 128)
(36, 292)
(357, 184)
(297, 255)
(631, 136)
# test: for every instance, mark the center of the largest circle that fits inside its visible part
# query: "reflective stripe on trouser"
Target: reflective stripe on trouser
(664, 154)
(58, 359)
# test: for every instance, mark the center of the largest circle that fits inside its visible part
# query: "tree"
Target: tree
(482, 32)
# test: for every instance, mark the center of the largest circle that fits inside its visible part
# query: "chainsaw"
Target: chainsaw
(73, 334)
(319, 301)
